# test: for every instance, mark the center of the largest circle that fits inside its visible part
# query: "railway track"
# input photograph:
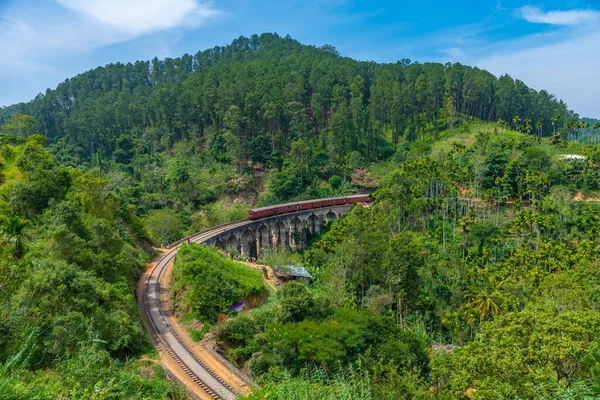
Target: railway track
(166, 335)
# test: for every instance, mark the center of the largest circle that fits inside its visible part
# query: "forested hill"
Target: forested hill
(473, 274)
(268, 91)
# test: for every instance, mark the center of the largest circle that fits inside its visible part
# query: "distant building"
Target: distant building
(572, 157)
(292, 273)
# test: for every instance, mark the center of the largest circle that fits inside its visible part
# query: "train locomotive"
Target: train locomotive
(263, 212)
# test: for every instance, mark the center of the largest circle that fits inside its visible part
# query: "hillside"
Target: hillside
(474, 271)
(474, 244)
(269, 91)
(180, 133)
(70, 254)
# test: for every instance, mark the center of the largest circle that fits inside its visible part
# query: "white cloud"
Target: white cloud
(564, 60)
(455, 53)
(568, 67)
(34, 34)
(569, 17)
(137, 17)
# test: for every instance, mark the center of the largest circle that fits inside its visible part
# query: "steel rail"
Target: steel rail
(162, 329)
(197, 370)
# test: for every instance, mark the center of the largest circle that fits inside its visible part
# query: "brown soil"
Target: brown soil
(198, 348)
(146, 372)
(167, 362)
(270, 278)
(579, 196)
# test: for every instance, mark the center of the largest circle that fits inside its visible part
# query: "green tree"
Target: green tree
(482, 233)
(297, 303)
(164, 225)
(451, 112)
(401, 263)
(485, 296)
(14, 232)
(20, 125)
(532, 353)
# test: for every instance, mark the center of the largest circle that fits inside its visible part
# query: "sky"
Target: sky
(552, 44)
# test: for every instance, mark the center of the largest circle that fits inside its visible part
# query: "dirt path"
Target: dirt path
(168, 363)
(199, 350)
(270, 280)
(221, 370)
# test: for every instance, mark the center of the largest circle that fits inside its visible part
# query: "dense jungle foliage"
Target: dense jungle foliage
(165, 129)
(474, 274)
(475, 259)
(71, 253)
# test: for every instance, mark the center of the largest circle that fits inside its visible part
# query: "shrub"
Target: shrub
(206, 283)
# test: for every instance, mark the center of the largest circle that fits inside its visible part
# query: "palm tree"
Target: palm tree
(555, 120)
(528, 125)
(539, 125)
(582, 125)
(485, 297)
(516, 121)
(596, 127)
(454, 322)
(556, 138)
(568, 126)
(14, 231)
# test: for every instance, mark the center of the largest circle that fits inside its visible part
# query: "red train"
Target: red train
(264, 212)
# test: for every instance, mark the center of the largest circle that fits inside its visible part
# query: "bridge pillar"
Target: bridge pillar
(297, 234)
(314, 223)
(279, 234)
(263, 237)
(331, 216)
(248, 244)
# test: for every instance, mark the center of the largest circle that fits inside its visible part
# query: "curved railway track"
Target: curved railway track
(166, 335)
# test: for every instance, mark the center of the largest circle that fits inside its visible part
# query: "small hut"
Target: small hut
(288, 273)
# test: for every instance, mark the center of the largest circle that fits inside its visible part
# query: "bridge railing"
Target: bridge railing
(193, 235)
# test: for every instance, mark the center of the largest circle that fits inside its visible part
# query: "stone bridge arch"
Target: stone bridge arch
(296, 233)
(290, 230)
(314, 223)
(279, 234)
(248, 243)
(232, 242)
(330, 216)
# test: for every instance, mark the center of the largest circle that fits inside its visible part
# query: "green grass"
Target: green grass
(198, 335)
(205, 283)
(10, 171)
(466, 135)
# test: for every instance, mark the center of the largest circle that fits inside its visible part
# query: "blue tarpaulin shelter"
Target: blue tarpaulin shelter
(237, 307)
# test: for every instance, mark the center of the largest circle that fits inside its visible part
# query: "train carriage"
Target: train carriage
(359, 198)
(264, 212)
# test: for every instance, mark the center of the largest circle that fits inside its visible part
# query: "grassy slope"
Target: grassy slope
(205, 283)
(10, 171)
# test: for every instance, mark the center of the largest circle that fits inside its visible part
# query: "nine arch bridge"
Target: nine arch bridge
(287, 230)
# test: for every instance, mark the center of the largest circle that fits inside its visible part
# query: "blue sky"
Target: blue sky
(553, 45)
